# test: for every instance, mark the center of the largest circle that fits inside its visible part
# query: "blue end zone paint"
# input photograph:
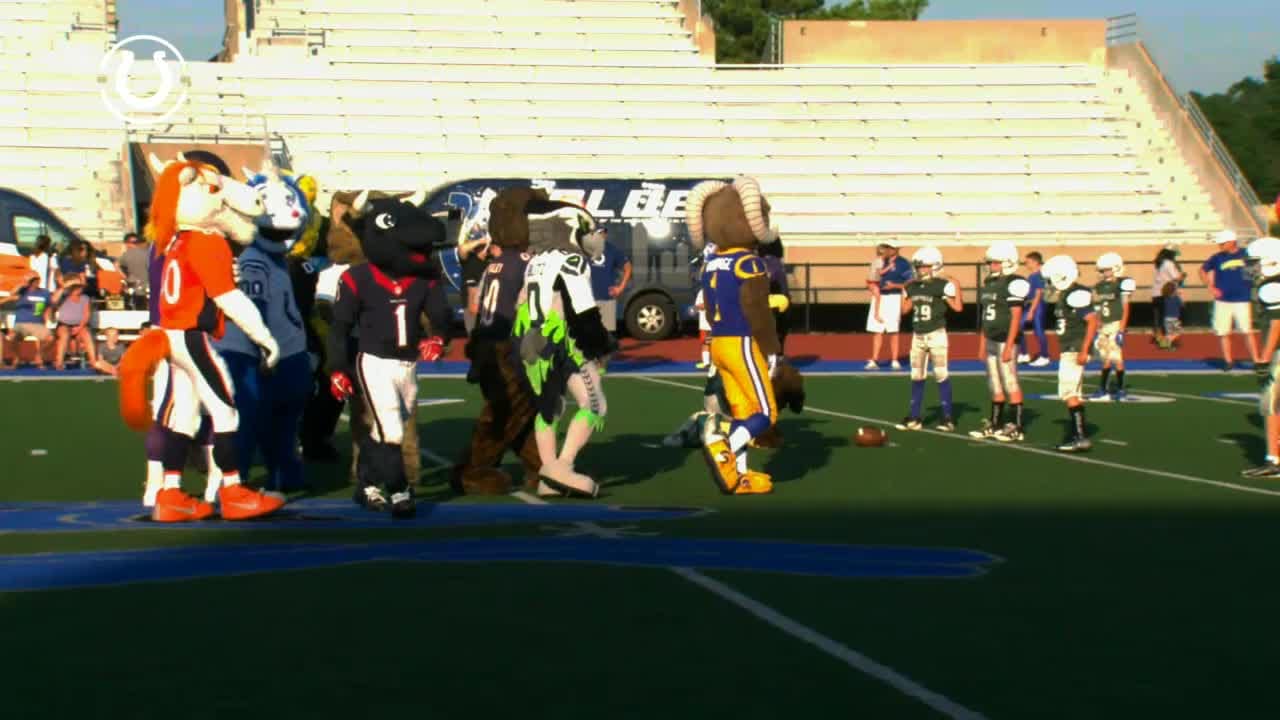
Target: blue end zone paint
(808, 366)
(320, 515)
(48, 571)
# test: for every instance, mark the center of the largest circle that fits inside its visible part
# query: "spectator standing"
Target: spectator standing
(1225, 274)
(1034, 314)
(134, 264)
(73, 321)
(474, 255)
(890, 273)
(1166, 297)
(610, 274)
(43, 263)
(31, 316)
(109, 353)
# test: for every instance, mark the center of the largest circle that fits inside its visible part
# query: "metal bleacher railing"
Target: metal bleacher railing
(1126, 29)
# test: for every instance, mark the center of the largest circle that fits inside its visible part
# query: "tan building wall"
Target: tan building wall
(703, 29)
(944, 42)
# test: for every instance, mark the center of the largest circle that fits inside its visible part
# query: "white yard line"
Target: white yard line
(804, 633)
(1023, 448)
(1109, 441)
(1165, 393)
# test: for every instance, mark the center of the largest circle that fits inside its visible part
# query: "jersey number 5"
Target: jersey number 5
(990, 314)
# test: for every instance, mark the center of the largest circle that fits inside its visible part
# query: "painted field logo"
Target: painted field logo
(143, 94)
(578, 535)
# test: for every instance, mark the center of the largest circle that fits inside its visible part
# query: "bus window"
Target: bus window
(26, 229)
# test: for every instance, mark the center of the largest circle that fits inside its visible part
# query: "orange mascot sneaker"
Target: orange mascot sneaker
(238, 502)
(173, 505)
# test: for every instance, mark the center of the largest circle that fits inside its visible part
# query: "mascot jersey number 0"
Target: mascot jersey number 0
(195, 212)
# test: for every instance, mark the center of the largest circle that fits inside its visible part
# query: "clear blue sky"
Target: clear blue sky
(1201, 45)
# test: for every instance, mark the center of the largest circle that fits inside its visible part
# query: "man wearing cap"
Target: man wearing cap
(890, 273)
(1227, 279)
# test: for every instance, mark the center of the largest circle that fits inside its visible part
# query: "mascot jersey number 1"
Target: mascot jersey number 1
(194, 212)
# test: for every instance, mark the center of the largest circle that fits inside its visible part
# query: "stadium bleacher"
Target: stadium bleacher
(400, 95)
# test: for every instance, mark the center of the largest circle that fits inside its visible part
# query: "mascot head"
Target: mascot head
(525, 218)
(192, 195)
(396, 235)
(731, 215)
(286, 208)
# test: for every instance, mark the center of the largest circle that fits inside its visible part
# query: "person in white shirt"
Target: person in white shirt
(43, 264)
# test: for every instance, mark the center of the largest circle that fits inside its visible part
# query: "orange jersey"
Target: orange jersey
(197, 268)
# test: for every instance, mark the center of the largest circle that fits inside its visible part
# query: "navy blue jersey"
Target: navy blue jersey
(500, 286)
(387, 312)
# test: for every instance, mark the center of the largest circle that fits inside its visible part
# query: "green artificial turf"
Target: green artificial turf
(1129, 584)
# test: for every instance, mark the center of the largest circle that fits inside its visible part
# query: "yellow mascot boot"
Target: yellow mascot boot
(754, 483)
(719, 456)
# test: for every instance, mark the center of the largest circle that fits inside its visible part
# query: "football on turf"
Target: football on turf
(870, 437)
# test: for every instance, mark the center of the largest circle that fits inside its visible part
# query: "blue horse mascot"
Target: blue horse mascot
(271, 403)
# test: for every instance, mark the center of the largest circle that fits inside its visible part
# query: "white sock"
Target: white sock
(742, 461)
(739, 438)
(706, 356)
(155, 481)
(231, 479)
(173, 481)
(214, 479)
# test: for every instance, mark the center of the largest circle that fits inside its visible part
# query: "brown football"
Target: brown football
(870, 437)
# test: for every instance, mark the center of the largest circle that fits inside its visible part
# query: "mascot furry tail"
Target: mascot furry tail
(136, 368)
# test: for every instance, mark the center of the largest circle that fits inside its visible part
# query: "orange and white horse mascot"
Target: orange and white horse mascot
(195, 213)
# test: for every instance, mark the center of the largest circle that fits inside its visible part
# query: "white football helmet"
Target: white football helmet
(1113, 262)
(1267, 252)
(1005, 253)
(1061, 271)
(928, 258)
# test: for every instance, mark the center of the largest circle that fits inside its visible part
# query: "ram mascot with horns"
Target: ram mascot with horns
(196, 212)
(745, 352)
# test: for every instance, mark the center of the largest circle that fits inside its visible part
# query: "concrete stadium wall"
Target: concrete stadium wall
(944, 42)
(1134, 59)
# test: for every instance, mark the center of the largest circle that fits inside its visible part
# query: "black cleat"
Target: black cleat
(1266, 470)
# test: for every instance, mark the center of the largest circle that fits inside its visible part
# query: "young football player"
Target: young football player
(1001, 298)
(1077, 324)
(1267, 295)
(1111, 296)
(927, 298)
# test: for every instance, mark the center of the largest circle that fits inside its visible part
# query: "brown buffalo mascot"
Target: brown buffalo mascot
(507, 420)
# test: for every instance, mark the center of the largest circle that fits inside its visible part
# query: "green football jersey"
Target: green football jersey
(998, 296)
(1074, 306)
(1109, 297)
(929, 303)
